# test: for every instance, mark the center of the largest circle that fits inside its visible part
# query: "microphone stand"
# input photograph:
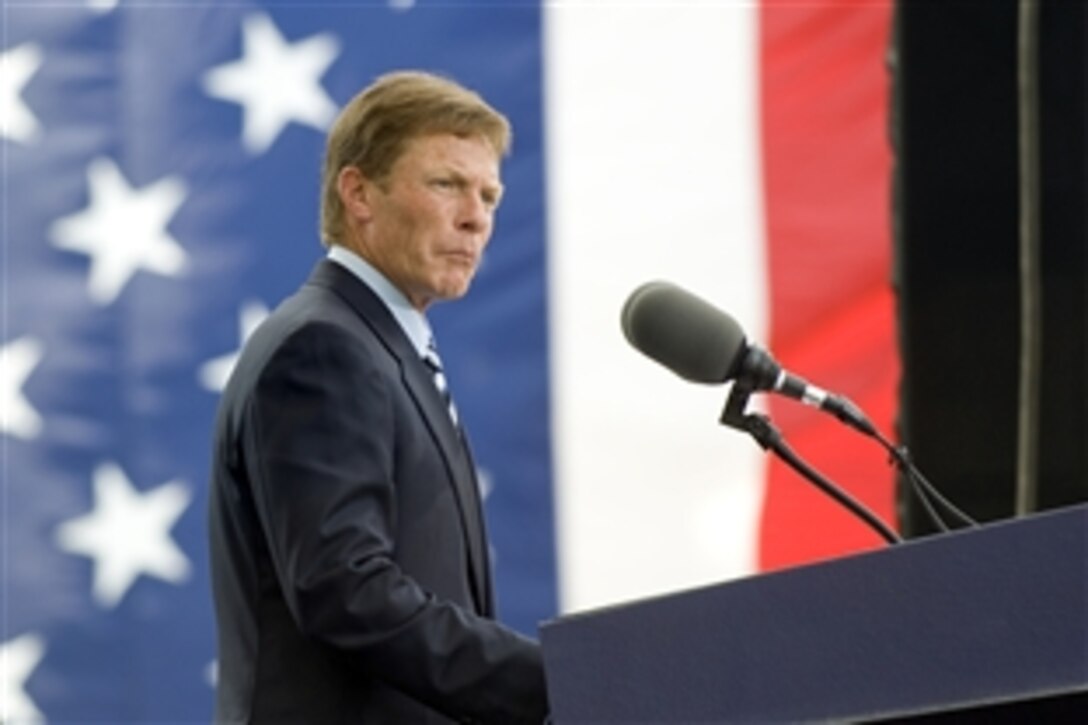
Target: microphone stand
(770, 438)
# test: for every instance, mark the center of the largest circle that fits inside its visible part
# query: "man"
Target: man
(348, 550)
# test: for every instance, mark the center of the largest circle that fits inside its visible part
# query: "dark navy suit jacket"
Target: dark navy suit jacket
(348, 550)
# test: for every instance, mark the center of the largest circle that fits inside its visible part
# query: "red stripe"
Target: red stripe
(827, 176)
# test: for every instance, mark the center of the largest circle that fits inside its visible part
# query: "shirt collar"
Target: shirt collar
(411, 320)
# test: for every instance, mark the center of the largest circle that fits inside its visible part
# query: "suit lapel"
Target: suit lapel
(420, 385)
(486, 596)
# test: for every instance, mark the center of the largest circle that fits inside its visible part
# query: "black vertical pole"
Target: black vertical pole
(1030, 258)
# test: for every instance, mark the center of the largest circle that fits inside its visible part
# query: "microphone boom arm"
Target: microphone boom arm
(770, 438)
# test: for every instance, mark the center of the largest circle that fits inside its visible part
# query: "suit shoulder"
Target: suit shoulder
(313, 326)
(312, 312)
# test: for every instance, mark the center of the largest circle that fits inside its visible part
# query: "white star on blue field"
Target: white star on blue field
(160, 195)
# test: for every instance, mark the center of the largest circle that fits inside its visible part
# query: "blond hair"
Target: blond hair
(374, 128)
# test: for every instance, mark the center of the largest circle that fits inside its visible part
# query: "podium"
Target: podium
(982, 625)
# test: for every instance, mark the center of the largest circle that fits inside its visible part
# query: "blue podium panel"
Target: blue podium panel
(965, 620)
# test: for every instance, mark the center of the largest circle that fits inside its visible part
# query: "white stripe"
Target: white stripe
(652, 173)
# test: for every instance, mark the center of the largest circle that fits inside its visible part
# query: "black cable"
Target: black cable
(922, 487)
(920, 493)
(926, 492)
(768, 436)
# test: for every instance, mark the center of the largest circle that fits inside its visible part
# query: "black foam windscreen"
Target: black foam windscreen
(684, 333)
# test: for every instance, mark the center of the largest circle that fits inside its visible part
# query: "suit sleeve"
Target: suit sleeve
(318, 447)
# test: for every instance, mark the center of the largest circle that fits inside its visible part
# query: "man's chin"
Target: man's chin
(454, 290)
(444, 295)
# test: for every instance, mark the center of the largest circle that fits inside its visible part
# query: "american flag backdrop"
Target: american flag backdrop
(160, 175)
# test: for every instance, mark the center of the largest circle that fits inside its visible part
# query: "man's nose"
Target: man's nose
(474, 214)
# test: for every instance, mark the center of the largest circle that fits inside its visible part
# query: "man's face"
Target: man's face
(430, 219)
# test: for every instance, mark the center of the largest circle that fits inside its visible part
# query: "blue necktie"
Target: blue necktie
(432, 361)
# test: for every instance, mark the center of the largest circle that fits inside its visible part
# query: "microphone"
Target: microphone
(702, 344)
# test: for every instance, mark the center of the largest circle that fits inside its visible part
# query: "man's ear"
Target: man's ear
(355, 191)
